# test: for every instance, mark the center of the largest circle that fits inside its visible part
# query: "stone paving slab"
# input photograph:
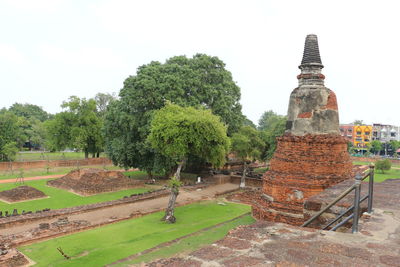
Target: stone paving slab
(278, 245)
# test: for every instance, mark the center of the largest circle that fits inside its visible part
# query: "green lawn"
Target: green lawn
(367, 163)
(31, 156)
(52, 171)
(109, 243)
(191, 243)
(261, 170)
(59, 198)
(391, 174)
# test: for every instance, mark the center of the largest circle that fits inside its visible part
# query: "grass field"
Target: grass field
(191, 243)
(109, 243)
(32, 156)
(367, 163)
(59, 198)
(391, 174)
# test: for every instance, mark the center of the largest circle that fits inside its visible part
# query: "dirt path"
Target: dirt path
(125, 211)
(32, 178)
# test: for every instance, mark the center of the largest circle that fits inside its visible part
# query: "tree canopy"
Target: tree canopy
(375, 147)
(79, 126)
(271, 125)
(247, 145)
(198, 81)
(177, 132)
(9, 135)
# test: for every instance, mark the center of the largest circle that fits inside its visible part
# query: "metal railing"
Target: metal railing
(355, 208)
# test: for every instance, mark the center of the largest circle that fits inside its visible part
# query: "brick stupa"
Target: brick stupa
(311, 156)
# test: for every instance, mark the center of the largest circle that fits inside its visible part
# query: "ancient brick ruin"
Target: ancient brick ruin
(21, 193)
(94, 181)
(311, 156)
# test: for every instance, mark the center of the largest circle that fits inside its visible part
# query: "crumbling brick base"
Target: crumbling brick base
(301, 167)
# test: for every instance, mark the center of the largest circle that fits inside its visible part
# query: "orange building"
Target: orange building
(362, 136)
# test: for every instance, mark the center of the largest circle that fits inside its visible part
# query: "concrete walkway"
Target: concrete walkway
(106, 215)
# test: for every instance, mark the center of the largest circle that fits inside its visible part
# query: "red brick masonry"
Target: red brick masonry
(301, 167)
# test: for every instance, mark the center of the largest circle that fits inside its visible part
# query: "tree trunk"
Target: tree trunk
(98, 155)
(169, 213)
(86, 154)
(149, 175)
(243, 179)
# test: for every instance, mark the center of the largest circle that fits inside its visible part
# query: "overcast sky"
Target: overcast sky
(50, 50)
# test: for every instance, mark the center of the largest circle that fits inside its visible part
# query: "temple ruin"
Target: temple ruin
(311, 156)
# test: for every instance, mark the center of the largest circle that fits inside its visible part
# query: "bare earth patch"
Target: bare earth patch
(21, 193)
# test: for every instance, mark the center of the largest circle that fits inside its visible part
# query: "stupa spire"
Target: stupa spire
(311, 52)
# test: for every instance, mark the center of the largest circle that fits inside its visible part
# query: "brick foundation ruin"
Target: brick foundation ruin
(311, 156)
(21, 193)
(94, 181)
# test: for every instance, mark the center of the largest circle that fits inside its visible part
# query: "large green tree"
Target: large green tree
(248, 146)
(177, 132)
(79, 126)
(198, 81)
(9, 134)
(29, 111)
(30, 121)
(272, 126)
(375, 147)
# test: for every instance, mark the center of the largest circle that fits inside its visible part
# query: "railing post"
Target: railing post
(357, 185)
(371, 187)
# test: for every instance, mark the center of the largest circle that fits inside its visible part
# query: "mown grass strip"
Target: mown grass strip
(107, 244)
(190, 243)
(59, 198)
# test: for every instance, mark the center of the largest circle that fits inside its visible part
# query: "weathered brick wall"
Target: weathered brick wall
(253, 182)
(302, 166)
(8, 166)
(12, 258)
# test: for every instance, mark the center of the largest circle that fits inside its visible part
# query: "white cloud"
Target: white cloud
(11, 55)
(83, 57)
(37, 6)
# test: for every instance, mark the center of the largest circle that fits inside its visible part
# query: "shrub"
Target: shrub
(383, 165)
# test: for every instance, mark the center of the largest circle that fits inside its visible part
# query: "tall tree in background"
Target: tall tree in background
(79, 126)
(9, 134)
(272, 126)
(30, 121)
(198, 81)
(102, 102)
(375, 147)
(248, 146)
(29, 111)
(358, 122)
(178, 132)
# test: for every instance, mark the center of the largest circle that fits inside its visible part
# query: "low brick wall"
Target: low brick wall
(395, 161)
(8, 166)
(252, 182)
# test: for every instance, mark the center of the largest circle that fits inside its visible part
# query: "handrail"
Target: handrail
(345, 193)
(355, 207)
